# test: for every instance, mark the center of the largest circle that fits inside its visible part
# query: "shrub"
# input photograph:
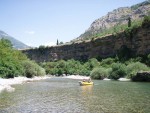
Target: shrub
(32, 69)
(146, 21)
(148, 59)
(118, 71)
(84, 71)
(99, 73)
(135, 67)
(107, 62)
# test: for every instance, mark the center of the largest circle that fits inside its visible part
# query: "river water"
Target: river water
(61, 95)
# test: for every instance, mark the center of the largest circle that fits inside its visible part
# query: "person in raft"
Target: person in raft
(87, 80)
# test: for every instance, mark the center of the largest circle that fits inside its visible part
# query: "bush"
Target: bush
(135, 67)
(10, 60)
(107, 62)
(148, 60)
(118, 70)
(146, 21)
(31, 69)
(99, 73)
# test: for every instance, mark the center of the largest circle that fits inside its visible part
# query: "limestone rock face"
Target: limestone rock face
(116, 17)
(104, 47)
(108, 46)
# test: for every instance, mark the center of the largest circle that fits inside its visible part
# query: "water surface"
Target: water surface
(60, 95)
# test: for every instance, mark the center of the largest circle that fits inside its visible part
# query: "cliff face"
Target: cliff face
(116, 17)
(139, 44)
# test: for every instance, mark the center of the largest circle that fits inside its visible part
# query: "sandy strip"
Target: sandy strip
(5, 84)
(79, 77)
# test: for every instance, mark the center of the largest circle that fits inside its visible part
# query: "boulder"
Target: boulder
(142, 76)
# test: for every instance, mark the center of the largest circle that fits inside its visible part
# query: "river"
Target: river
(61, 95)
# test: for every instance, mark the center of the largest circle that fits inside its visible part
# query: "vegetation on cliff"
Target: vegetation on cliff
(14, 63)
(115, 21)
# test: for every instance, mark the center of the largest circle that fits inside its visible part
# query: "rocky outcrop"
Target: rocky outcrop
(142, 76)
(138, 44)
(116, 17)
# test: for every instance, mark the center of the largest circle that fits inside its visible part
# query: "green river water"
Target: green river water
(61, 95)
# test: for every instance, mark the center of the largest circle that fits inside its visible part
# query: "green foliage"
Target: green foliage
(10, 65)
(148, 60)
(70, 67)
(12, 61)
(6, 43)
(129, 29)
(32, 69)
(100, 73)
(57, 42)
(146, 21)
(133, 60)
(118, 70)
(135, 67)
(107, 62)
(129, 22)
(110, 67)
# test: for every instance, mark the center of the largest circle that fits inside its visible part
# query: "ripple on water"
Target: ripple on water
(60, 95)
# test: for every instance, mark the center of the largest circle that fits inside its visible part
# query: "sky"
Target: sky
(42, 22)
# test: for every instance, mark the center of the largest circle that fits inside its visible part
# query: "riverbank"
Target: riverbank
(79, 77)
(6, 84)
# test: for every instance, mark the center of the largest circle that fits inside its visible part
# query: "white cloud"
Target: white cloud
(30, 32)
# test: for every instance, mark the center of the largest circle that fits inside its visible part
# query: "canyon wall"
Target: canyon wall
(138, 42)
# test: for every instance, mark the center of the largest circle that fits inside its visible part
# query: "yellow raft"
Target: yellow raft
(82, 83)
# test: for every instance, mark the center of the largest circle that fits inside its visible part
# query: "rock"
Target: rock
(117, 16)
(142, 76)
(107, 46)
(9, 88)
(102, 47)
(124, 79)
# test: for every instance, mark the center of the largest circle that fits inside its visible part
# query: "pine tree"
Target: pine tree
(57, 42)
(129, 22)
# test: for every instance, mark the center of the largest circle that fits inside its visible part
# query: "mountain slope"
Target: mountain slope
(16, 44)
(116, 17)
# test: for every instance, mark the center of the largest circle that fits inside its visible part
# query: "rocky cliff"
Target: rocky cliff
(111, 45)
(116, 17)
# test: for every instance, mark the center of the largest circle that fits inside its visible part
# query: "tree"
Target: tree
(57, 42)
(129, 22)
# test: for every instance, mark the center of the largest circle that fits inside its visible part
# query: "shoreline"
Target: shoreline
(79, 77)
(6, 84)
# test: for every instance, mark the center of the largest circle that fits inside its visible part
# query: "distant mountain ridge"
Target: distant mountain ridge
(116, 17)
(16, 44)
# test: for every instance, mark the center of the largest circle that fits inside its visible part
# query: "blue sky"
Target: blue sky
(42, 22)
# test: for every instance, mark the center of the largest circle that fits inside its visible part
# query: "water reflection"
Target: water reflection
(87, 90)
